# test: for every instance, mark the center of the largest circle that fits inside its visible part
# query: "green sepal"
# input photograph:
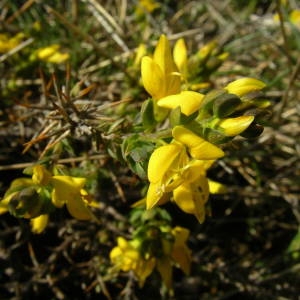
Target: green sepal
(215, 137)
(225, 104)
(206, 108)
(196, 127)
(175, 116)
(178, 118)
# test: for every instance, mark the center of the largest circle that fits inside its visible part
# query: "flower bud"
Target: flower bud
(235, 126)
(26, 203)
(243, 86)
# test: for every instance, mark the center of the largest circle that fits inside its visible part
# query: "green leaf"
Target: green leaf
(147, 112)
(294, 246)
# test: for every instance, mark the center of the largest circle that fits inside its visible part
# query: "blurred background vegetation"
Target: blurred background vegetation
(249, 247)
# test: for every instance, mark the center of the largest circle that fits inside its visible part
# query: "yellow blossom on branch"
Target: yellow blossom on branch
(235, 126)
(188, 101)
(181, 58)
(159, 74)
(8, 43)
(39, 223)
(65, 190)
(34, 198)
(243, 86)
(142, 256)
(125, 256)
(180, 253)
(179, 169)
(197, 146)
(51, 54)
(69, 190)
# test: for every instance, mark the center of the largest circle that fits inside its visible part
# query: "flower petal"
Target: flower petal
(171, 77)
(155, 195)
(181, 254)
(161, 160)
(243, 86)
(163, 56)
(188, 101)
(40, 175)
(143, 269)
(152, 77)
(78, 209)
(191, 198)
(216, 187)
(199, 148)
(164, 268)
(180, 56)
(39, 223)
(65, 189)
(235, 126)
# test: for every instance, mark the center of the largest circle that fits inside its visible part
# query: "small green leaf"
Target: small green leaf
(147, 113)
(294, 246)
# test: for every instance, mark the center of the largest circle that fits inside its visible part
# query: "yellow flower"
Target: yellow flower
(198, 147)
(148, 5)
(294, 17)
(243, 86)
(15, 188)
(168, 158)
(164, 172)
(39, 223)
(188, 101)
(45, 52)
(192, 197)
(164, 267)
(180, 57)
(216, 187)
(24, 205)
(8, 43)
(171, 169)
(235, 126)
(181, 254)
(140, 53)
(41, 175)
(160, 75)
(51, 54)
(126, 257)
(69, 190)
(58, 58)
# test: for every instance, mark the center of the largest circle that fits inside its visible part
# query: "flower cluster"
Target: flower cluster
(34, 198)
(155, 246)
(180, 167)
(7, 43)
(198, 124)
(50, 54)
